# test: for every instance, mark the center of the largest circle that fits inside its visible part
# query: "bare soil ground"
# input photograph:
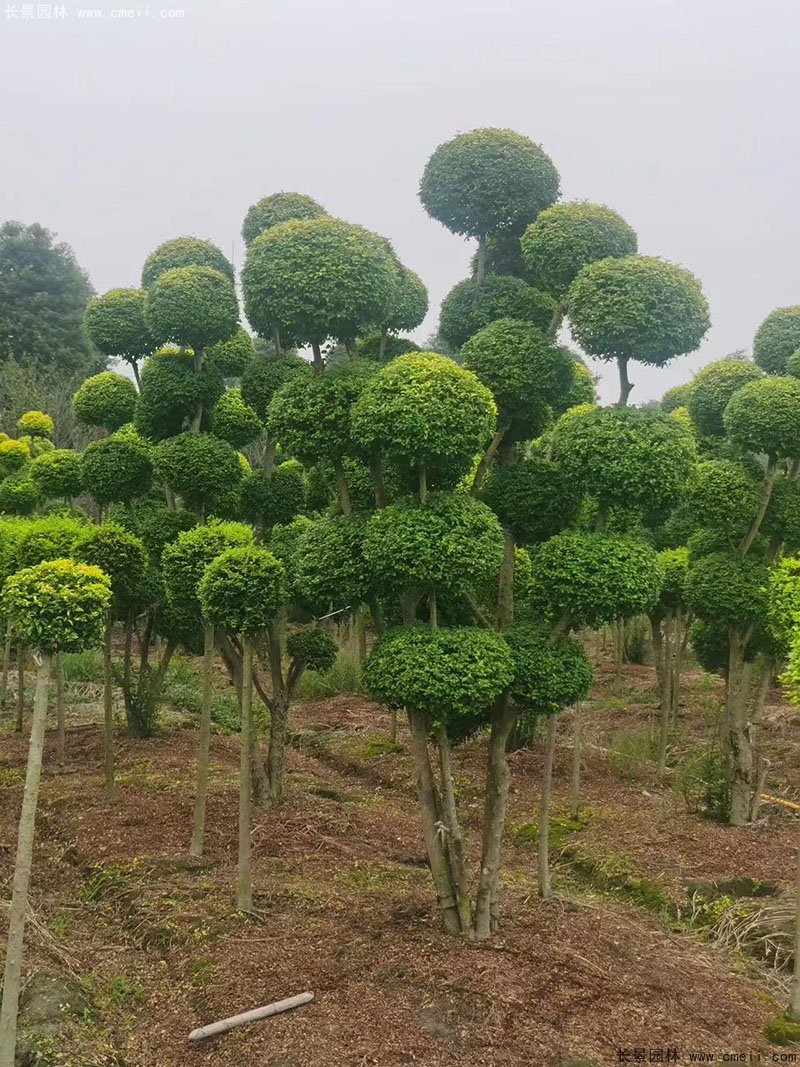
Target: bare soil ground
(346, 910)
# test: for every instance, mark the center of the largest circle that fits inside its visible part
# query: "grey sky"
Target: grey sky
(681, 114)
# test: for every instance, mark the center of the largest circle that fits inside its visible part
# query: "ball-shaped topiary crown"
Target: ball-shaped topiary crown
(106, 399)
(116, 324)
(242, 590)
(711, 389)
(470, 305)
(764, 416)
(272, 210)
(194, 306)
(36, 424)
(777, 338)
(184, 252)
(57, 606)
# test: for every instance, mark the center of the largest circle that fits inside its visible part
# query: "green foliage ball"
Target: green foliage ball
(57, 474)
(273, 210)
(317, 278)
(784, 601)
(525, 372)
(451, 674)
(263, 378)
(273, 501)
(764, 416)
(370, 348)
(13, 456)
(52, 537)
(194, 306)
(591, 579)
(409, 303)
(242, 590)
(19, 494)
(728, 588)
(106, 399)
(117, 552)
(782, 519)
(777, 338)
(724, 497)
(116, 324)
(184, 560)
(625, 456)
(675, 564)
(424, 409)
(171, 389)
(487, 181)
(471, 305)
(57, 606)
(583, 389)
(451, 542)
(200, 468)
(311, 415)
(548, 677)
(534, 498)
(234, 356)
(637, 307)
(711, 389)
(117, 468)
(159, 526)
(677, 397)
(711, 645)
(35, 424)
(184, 252)
(314, 648)
(328, 564)
(234, 421)
(566, 237)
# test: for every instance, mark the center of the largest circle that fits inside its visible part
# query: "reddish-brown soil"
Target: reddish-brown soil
(345, 904)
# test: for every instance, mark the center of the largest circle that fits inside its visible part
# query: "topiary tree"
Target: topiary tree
(677, 397)
(625, 457)
(637, 308)
(116, 469)
(107, 400)
(183, 563)
(13, 456)
(383, 349)
(777, 339)
(116, 325)
(407, 309)
(274, 500)
(711, 389)
(488, 182)
(272, 210)
(35, 424)
(470, 305)
(730, 590)
(535, 499)
(122, 557)
(57, 474)
(19, 494)
(311, 279)
(199, 468)
(173, 390)
(184, 252)
(565, 238)
(241, 592)
(56, 607)
(442, 677)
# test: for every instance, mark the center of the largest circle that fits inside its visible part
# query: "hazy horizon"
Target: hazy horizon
(120, 134)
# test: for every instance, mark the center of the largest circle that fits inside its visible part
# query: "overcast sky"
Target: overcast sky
(681, 114)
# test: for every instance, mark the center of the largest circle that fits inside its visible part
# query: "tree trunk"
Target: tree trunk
(619, 651)
(505, 590)
(429, 807)
(794, 1004)
(498, 777)
(740, 749)
(22, 867)
(422, 475)
(201, 787)
(480, 267)
(276, 340)
(278, 729)
(60, 710)
(319, 366)
(677, 665)
(244, 888)
(20, 687)
(575, 787)
(543, 851)
(108, 713)
(382, 345)
(667, 682)
(766, 493)
(658, 652)
(760, 765)
(455, 841)
(6, 666)
(341, 482)
(625, 385)
(378, 486)
(486, 458)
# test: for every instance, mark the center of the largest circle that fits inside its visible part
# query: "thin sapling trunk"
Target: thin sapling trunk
(543, 849)
(244, 887)
(61, 710)
(201, 788)
(22, 867)
(20, 687)
(108, 714)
